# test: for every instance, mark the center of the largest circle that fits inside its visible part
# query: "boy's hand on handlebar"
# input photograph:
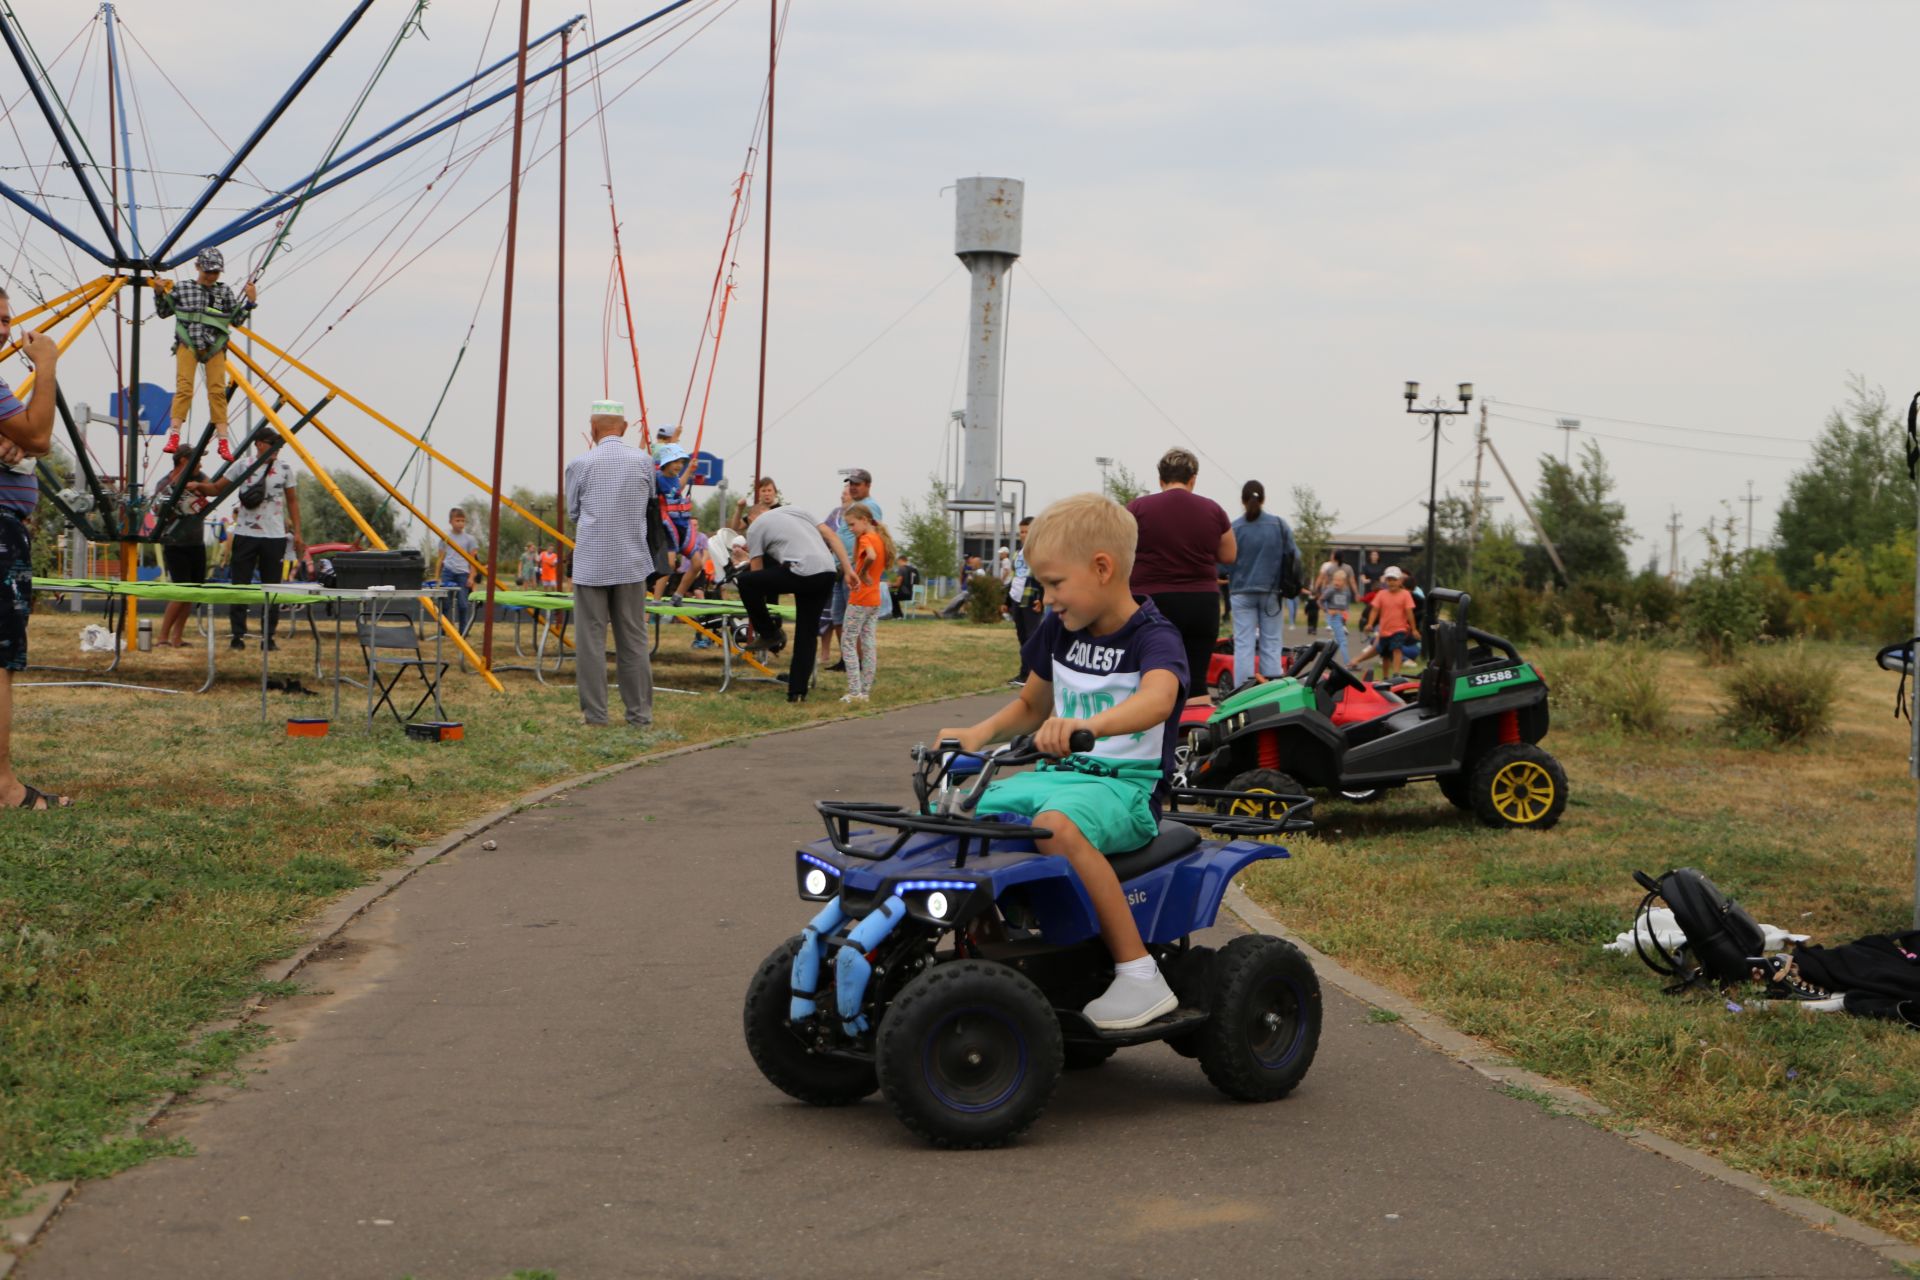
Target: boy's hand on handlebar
(969, 739)
(1055, 737)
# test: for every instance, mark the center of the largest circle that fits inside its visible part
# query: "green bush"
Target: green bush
(986, 598)
(1614, 684)
(1783, 693)
(1868, 594)
(1511, 611)
(1726, 609)
(1653, 601)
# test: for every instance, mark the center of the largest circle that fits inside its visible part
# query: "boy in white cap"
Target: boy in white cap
(1394, 609)
(202, 311)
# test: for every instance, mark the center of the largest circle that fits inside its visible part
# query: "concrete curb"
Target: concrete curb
(1503, 1071)
(48, 1198)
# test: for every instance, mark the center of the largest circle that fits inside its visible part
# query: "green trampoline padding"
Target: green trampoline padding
(218, 593)
(562, 600)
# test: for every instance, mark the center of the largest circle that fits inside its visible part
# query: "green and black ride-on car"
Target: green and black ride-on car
(1472, 722)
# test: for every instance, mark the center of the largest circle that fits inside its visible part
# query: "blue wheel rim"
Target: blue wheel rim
(1276, 1026)
(974, 1059)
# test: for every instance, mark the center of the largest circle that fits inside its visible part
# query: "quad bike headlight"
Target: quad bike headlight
(941, 902)
(819, 879)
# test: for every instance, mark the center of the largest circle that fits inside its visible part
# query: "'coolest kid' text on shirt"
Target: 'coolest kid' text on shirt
(1091, 674)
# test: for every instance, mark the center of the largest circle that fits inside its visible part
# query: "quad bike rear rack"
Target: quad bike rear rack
(1283, 813)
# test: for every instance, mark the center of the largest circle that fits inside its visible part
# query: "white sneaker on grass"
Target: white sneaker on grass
(1132, 1002)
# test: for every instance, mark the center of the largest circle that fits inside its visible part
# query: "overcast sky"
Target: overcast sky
(1267, 215)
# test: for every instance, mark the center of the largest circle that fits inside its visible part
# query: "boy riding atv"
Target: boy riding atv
(1104, 662)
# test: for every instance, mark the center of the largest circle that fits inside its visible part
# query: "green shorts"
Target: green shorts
(1116, 814)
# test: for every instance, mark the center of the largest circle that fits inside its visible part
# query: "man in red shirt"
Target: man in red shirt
(1395, 609)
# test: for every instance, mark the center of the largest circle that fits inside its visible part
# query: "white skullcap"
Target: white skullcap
(609, 408)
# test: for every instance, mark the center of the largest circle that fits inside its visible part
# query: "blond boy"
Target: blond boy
(1106, 661)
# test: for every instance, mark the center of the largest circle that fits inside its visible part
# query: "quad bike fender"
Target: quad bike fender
(1168, 903)
(1184, 897)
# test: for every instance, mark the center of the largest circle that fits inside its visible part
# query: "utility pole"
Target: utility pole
(1473, 516)
(1750, 499)
(1673, 547)
(1553, 552)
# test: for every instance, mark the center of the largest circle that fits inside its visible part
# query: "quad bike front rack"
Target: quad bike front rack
(841, 815)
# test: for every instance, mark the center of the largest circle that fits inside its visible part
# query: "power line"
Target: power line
(1662, 426)
(1369, 524)
(848, 362)
(1127, 378)
(1652, 444)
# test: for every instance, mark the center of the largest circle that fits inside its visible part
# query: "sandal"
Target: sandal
(39, 801)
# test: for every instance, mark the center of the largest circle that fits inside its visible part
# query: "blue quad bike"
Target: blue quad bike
(950, 960)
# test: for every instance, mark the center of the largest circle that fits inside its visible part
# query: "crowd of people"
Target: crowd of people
(637, 539)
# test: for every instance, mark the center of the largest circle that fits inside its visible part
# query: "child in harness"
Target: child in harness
(203, 310)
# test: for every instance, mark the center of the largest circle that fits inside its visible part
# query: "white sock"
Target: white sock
(1141, 970)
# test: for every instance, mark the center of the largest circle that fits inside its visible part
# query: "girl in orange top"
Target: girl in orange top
(873, 554)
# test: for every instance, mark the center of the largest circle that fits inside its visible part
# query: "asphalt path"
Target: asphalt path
(531, 1058)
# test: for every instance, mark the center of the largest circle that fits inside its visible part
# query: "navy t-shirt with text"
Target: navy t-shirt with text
(1091, 674)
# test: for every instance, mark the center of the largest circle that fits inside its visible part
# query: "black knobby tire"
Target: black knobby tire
(969, 1054)
(783, 1058)
(1264, 1019)
(1457, 788)
(1081, 1055)
(1267, 781)
(1519, 785)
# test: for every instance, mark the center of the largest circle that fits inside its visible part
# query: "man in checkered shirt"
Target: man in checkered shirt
(608, 490)
(202, 311)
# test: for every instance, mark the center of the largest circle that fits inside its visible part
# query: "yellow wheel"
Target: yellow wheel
(1519, 785)
(1259, 782)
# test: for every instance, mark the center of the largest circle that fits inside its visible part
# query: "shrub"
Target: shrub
(1725, 606)
(1510, 611)
(1615, 684)
(986, 598)
(1868, 595)
(1653, 601)
(1784, 693)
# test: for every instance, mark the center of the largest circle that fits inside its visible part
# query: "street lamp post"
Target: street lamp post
(1105, 464)
(1437, 410)
(1568, 425)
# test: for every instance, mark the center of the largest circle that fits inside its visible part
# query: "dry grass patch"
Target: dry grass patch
(1500, 932)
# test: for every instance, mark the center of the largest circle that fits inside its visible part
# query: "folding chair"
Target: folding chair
(391, 643)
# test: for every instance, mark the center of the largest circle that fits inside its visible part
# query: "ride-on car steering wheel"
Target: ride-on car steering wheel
(1320, 665)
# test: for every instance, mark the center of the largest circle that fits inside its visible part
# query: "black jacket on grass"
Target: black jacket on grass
(1879, 975)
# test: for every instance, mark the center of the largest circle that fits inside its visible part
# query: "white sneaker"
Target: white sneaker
(1131, 1003)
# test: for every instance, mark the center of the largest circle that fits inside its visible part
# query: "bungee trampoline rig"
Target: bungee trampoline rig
(289, 394)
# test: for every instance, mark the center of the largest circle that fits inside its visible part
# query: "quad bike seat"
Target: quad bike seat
(1176, 840)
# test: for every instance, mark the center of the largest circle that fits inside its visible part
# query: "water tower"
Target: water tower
(986, 238)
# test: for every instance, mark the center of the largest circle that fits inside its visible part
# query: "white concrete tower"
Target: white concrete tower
(987, 239)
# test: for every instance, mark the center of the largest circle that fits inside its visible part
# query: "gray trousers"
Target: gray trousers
(625, 604)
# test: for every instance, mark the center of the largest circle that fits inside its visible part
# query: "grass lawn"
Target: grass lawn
(201, 840)
(1500, 932)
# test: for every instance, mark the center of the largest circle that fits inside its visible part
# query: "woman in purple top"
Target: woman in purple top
(1184, 541)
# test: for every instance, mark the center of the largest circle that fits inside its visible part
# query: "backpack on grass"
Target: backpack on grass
(1721, 936)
